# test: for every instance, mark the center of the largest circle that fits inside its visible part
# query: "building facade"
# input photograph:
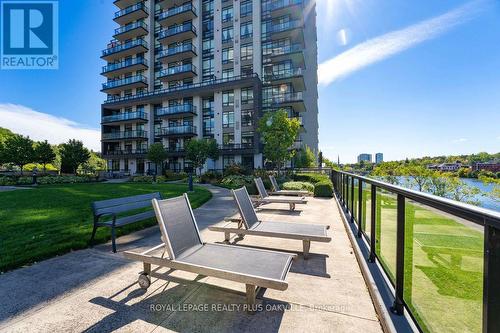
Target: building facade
(379, 158)
(178, 70)
(364, 158)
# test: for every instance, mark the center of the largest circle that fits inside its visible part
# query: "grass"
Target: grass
(443, 263)
(50, 220)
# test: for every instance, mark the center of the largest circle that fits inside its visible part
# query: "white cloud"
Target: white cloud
(42, 126)
(460, 140)
(382, 47)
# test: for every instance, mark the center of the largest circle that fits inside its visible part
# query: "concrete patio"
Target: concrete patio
(95, 290)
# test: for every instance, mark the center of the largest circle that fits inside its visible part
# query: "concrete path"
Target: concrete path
(95, 290)
(12, 188)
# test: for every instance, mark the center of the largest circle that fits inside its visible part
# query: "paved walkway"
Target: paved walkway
(95, 290)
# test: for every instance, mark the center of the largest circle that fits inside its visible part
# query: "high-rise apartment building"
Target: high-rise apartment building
(178, 70)
(379, 158)
(364, 158)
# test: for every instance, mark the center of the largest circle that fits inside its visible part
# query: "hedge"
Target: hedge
(310, 177)
(323, 189)
(45, 180)
(298, 186)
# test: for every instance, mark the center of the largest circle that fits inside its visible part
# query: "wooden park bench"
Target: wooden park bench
(116, 208)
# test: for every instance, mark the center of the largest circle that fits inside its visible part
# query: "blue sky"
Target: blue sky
(406, 78)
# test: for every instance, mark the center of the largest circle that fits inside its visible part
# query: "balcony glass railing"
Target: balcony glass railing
(176, 130)
(125, 116)
(176, 109)
(125, 135)
(124, 64)
(177, 30)
(176, 50)
(116, 46)
(279, 4)
(178, 69)
(123, 82)
(139, 151)
(177, 10)
(284, 98)
(282, 50)
(236, 146)
(133, 8)
(283, 74)
(131, 26)
(435, 252)
(286, 26)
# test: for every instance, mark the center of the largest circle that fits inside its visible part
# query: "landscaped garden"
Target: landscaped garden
(49, 220)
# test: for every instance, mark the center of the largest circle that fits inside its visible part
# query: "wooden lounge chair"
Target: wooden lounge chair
(265, 198)
(251, 225)
(278, 191)
(187, 252)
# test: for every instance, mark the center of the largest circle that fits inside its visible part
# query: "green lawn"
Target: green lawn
(40, 223)
(443, 263)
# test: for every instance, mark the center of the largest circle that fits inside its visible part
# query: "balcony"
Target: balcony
(177, 131)
(278, 54)
(122, 4)
(131, 30)
(166, 4)
(293, 99)
(132, 13)
(125, 118)
(125, 135)
(177, 53)
(292, 75)
(236, 148)
(116, 86)
(175, 151)
(177, 15)
(118, 49)
(126, 153)
(291, 29)
(178, 72)
(178, 33)
(279, 8)
(177, 110)
(125, 66)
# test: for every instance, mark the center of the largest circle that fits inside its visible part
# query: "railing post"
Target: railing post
(352, 200)
(400, 258)
(360, 208)
(373, 216)
(491, 278)
(344, 191)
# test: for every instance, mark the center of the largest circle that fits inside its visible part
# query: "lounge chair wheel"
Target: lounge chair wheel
(144, 281)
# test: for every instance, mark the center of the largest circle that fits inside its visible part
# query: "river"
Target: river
(484, 200)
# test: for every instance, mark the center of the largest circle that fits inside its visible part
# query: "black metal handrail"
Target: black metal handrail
(345, 192)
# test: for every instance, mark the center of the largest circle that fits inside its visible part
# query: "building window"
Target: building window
(246, 118)
(247, 139)
(227, 34)
(208, 116)
(227, 73)
(227, 160)
(208, 67)
(247, 70)
(228, 119)
(246, 8)
(246, 51)
(246, 30)
(228, 139)
(246, 96)
(227, 14)
(228, 98)
(208, 46)
(115, 165)
(227, 55)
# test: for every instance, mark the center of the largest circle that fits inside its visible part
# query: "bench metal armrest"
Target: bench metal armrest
(97, 217)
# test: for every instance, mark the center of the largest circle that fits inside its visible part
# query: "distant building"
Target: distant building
(379, 158)
(445, 166)
(365, 158)
(493, 166)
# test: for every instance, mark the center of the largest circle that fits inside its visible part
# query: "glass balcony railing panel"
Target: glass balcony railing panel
(177, 10)
(124, 64)
(177, 30)
(116, 46)
(282, 50)
(366, 209)
(283, 74)
(176, 109)
(131, 26)
(178, 69)
(125, 135)
(125, 116)
(356, 201)
(386, 215)
(444, 258)
(177, 49)
(131, 9)
(125, 81)
(173, 130)
(278, 4)
(286, 26)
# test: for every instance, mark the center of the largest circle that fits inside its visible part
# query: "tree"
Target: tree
(94, 164)
(73, 154)
(157, 154)
(197, 151)
(278, 134)
(419, 175)
(18, 150)
(44, 154)
(305, 158)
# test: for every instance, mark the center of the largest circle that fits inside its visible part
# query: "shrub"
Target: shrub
(234, 169)
(63, 179)
(210, 177)
(236, 181)
(310, 177)
(172, 176)
(298, 186)
(7, 181)
(323, 189)
(142, 179)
